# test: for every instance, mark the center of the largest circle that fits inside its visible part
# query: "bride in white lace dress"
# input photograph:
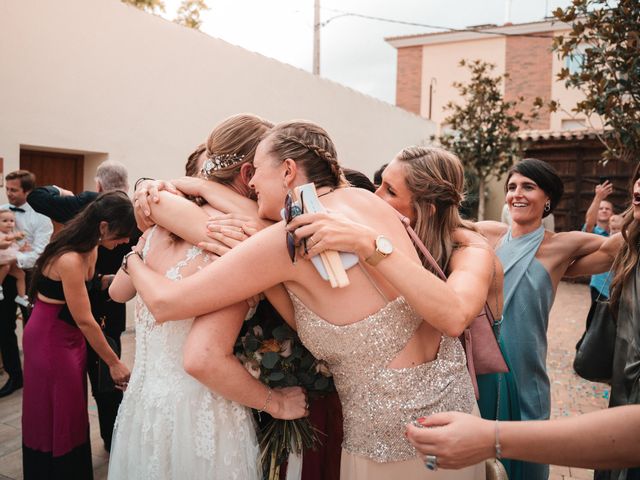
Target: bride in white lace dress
(169, 425)
(184, 413)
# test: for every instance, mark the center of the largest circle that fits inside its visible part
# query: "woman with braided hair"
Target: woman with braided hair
(391, 364)
(426, 185)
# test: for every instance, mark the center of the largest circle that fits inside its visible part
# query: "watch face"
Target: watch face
(384, 245)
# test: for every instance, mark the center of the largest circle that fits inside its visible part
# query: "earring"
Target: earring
(99, 240)
(547, 206)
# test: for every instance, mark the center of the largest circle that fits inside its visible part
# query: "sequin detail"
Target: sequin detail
(378, 402)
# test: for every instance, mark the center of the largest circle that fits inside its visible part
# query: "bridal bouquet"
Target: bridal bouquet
(272, 352)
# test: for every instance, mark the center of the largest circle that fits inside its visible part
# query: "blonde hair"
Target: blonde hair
(435, 178)
(627, 258)
(310, 146)
(237, 135)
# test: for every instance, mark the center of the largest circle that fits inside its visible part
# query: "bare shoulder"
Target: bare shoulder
(465, 237)
(68, 261)
(68, 265)
(492, 230)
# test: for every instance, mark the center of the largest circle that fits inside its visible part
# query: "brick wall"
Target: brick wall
(409, 79)
(528, 63)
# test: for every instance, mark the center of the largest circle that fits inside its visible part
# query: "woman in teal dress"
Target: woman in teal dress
(534, 261)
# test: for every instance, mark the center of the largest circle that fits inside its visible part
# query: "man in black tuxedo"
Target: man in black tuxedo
(62, 205)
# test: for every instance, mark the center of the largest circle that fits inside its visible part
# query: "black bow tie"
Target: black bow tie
(16, 209)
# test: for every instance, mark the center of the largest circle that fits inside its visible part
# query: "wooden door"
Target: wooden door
(50, 168)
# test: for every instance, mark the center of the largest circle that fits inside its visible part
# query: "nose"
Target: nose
(378, 191)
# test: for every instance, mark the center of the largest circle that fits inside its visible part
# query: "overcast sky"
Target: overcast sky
(353, 50)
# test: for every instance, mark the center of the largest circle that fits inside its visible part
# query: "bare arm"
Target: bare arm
(579, 244)
(209, 358)
(217, 195)
(71, 269)
(254, 266)
(448, 306)
(122, 289)
(599, 261)
(591, 218)
(604, 439)
(181, 217)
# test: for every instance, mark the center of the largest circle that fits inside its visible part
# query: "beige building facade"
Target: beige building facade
(87, 80)
(428, 65)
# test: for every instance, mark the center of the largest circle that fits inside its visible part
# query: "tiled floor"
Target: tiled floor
(570, 394)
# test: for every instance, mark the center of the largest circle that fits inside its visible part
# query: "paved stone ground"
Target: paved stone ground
(570, 394)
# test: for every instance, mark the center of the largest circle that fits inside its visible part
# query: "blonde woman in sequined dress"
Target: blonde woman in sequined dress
(390, 366)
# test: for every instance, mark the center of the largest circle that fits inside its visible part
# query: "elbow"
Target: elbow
(202, 367)
(159, 308)
(455, 328)
(456, 324)
(193, 364)
(117, 296)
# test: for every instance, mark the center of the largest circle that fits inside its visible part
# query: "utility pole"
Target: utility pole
(316, 37)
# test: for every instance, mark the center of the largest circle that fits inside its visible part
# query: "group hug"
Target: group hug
(234, 232)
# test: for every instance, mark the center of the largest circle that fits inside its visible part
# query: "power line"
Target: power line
(342, 13)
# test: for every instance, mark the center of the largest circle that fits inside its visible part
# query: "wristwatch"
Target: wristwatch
(384, 248)
(125, 260)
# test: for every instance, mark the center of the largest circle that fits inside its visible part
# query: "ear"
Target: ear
(246, 173)
(290, 172)
(104, 228)
(98, 186)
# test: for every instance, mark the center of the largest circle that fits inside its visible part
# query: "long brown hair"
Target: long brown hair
(627, 257)
(82, 233)
(435, 178)
(310, 146)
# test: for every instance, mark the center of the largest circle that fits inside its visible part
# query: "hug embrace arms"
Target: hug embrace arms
(290, 155)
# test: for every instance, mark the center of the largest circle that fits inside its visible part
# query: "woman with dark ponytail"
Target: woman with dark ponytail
(55, 424)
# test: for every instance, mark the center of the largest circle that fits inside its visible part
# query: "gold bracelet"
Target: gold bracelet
(266, 402)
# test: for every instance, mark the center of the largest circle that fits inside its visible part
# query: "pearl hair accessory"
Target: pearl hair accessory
(219, 162)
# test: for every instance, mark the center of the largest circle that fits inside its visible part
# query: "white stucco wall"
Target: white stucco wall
(108, 80)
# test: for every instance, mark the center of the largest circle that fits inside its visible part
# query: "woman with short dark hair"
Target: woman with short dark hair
(534, 262)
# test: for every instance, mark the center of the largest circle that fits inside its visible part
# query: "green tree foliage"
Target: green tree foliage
(152, 6)
(189, 13)
(483, 130)
(605, 41)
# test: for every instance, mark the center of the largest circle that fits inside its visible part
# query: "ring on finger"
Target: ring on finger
(312, 241)
(431, 462)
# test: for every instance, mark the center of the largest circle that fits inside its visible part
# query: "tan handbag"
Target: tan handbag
(495, 470)
(479, 341)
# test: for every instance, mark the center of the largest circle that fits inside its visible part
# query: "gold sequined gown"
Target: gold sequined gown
(377, 401)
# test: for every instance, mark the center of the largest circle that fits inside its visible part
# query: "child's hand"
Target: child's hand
(18, 235)
(25, 247)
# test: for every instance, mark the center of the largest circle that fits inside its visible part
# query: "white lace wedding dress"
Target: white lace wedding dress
(170, 426)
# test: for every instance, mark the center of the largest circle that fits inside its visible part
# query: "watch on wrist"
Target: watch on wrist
(384, 248)
(125, 260)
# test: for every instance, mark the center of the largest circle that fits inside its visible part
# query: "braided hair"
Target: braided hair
(435, 178)
(309, 146)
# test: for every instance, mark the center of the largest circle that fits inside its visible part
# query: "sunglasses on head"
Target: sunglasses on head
(291, 211)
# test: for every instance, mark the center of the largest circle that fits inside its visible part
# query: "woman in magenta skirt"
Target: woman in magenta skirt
(55, 422)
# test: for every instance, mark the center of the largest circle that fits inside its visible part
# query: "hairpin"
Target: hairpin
(219, 162)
